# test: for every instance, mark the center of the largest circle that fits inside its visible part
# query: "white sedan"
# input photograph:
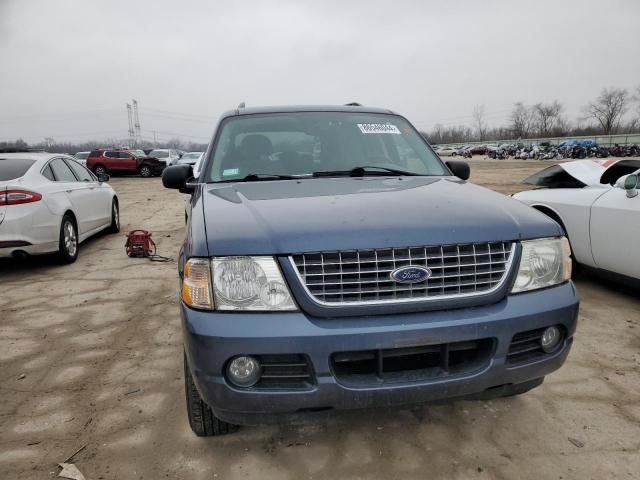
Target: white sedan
(596, 203)
(194, 159)
(49, 203)
(447, 151)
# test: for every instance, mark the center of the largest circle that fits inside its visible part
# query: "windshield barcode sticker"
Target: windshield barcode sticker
(378, 128)
(229, 171)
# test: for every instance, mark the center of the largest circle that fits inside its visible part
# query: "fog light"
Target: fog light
(550, 339)
(243, 371)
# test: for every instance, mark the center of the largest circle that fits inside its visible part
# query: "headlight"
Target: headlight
(196, 289)
(543, 263)
(249, 283)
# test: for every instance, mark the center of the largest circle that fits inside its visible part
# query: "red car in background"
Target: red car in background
(124, 161)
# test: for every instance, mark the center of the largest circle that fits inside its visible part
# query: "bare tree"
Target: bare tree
(478, 119)
(547, 116)
(522, 120)
(609, 108)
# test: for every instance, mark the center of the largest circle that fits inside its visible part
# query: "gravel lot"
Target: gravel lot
(91, 357)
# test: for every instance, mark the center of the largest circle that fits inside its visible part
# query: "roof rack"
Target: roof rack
(353, 104)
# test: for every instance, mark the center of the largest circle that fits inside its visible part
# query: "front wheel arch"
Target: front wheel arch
(553, 215)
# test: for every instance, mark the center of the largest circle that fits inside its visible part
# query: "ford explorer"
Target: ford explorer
(333, 261)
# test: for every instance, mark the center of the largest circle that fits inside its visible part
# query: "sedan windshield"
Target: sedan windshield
(320, 144)
(191, 156)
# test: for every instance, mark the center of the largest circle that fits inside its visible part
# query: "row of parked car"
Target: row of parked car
(146, 163)
(576, 149)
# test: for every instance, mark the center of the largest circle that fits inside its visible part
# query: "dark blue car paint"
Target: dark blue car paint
(324, 214)
(284, 217)
(212, 338)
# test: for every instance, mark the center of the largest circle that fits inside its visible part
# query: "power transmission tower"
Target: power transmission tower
(132, 139)
(137, 121)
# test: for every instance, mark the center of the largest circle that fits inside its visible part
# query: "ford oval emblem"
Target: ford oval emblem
(410, 274)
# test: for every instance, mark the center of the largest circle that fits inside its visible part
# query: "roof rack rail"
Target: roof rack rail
(353, 104)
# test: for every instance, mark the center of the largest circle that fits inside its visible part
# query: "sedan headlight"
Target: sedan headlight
(543, 263)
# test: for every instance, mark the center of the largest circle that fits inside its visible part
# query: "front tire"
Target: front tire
(100, 170)
(68, 242)
(201, 418)
(145, 171)
(115, 217)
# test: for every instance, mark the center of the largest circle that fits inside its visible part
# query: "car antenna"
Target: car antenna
(353, 104)
(240, 105)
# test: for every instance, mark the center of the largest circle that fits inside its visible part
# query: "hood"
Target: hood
(289, 216)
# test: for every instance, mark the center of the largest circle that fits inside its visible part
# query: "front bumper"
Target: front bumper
(212, 338)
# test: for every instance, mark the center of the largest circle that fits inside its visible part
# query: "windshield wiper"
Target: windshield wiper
(364, 170)
(257, 177)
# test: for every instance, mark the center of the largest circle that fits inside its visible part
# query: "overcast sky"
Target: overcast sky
(69, 67)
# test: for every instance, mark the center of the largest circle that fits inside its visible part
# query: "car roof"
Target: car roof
(35, 156)
(305, 108)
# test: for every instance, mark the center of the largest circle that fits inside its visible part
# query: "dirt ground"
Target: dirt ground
(91, 358)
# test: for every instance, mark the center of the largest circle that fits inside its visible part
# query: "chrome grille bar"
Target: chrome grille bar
(363, 277)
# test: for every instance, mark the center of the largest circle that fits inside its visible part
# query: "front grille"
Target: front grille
(285, 372)
(364, 276)
(411, 364)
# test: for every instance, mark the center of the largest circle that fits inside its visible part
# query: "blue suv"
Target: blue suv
(333, 261)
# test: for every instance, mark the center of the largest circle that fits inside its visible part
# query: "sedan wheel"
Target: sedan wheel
(115, 217)
(68, 244)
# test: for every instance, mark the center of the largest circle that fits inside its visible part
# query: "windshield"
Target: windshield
(138, 153)
(302, 143)
(159, 154)
(81, 155)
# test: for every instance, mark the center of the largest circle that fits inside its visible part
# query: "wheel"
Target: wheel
(68, 243)
(99, 170)
(115, 217)
(145, 171)
(201, 419)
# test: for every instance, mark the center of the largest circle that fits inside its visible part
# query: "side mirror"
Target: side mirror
(631, 185)
(177, 176)
(459, 168)
(103, 178)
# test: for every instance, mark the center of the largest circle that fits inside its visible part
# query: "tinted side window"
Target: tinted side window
(81, 172)
(62, 171)
(126, 155)
(111, 154)
(48, 173)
